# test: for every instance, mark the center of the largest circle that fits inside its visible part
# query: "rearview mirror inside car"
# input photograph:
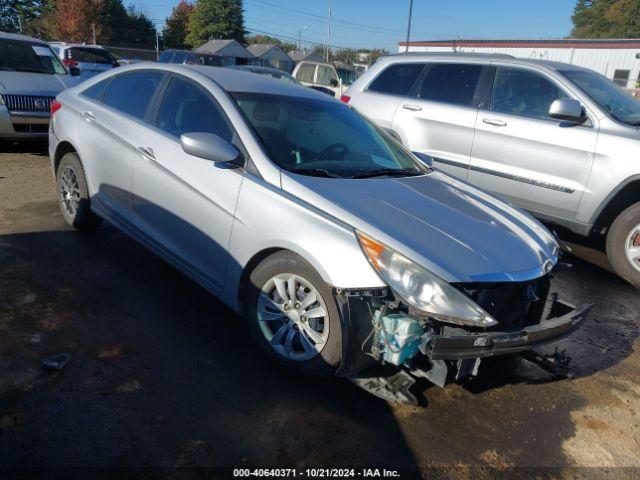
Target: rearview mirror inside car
(568, 109)
(208, 146)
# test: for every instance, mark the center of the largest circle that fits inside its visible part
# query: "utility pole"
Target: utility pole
(329, 32)
(93, 30)
(300, 37)
(409, 24)
(157, 45)
(19, 24)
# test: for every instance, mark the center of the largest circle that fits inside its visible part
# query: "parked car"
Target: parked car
(90, 59)
(188, 57)
(268, 71)
(338, 245)
(555, 139)
(31, 75)
(320, 76)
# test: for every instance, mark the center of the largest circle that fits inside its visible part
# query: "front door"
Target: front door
(522, 154)
(186, 203)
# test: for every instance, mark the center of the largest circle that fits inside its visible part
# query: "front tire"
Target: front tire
(73, 194)
(623, 245)
(293, 316)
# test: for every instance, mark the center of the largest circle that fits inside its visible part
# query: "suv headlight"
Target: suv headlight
(422, 289)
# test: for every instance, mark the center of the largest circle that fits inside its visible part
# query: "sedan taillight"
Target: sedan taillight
(345, 98)
(55, 106)
(70, 63)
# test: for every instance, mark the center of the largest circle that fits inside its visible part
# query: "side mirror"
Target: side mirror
(424, 158)
(333, 82)
(74, 71)
(568, 109)
(208, 146)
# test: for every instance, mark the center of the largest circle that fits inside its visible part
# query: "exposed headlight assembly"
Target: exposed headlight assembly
(422, 289)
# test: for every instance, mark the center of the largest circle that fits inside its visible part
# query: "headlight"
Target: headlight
(422, 289)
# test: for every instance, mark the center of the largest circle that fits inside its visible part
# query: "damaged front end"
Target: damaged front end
(380, 328)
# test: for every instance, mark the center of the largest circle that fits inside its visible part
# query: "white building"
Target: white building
(618, 60)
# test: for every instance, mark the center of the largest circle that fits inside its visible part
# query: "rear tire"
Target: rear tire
(73, 194)
(314, 341)
(623, 245)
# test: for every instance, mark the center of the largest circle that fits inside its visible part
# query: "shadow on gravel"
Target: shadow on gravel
(34, 147)
(161, 373)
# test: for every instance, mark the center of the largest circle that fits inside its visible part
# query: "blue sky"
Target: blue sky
(382, 23)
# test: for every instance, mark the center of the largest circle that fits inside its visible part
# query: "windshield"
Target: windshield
(19, 56)
(611, 98)
(323, 138)
(347, 76)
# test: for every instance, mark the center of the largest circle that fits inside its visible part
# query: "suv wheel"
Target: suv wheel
(292, 314)
(623, 245)
(73, 194)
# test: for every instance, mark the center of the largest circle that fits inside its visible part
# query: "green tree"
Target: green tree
(286, 46)
(32, 17)
(216, 19)
(175, 30)
(606, 19)
(122, 26)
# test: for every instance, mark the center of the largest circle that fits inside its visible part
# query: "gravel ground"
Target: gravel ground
(164, 375)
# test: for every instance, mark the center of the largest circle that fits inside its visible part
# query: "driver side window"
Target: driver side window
(523, 93)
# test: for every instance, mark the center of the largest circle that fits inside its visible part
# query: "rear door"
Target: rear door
(185, 203)
(522, 154)
(440, 116)
(380, 99)
(112, 123)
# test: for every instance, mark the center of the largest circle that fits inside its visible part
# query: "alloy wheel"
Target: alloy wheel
(69, 187)
(293, 317)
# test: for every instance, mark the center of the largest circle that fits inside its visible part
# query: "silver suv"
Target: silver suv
(31, 75)
(559, 140)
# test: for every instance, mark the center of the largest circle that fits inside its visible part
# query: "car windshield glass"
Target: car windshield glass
(19, 56)
(91, 55)
(611, 98)
(323, 138)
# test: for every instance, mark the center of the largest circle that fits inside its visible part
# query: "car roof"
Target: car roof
(23, 38)
(258, 68)
(234, 80)
(489, 57)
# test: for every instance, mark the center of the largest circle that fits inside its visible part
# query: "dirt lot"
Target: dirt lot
(163, 375)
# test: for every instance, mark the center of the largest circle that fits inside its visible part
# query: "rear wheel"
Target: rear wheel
(292, 314)
(623, 245)
(73, 194)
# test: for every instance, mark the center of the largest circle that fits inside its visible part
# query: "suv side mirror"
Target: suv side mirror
(568, 109)
(208, 146)
(74, 71)
(333, 82)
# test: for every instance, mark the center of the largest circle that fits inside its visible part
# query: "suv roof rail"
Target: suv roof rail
(453, 53)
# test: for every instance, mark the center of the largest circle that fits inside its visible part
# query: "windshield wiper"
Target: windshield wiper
(315, 172)
(389, 172)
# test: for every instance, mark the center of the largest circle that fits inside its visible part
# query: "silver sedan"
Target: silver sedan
(341, 248)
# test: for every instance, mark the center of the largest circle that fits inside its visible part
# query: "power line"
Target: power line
(295, 40)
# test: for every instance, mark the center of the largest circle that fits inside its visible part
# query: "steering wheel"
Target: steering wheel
(336, 150)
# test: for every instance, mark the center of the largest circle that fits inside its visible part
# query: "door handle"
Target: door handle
(147, 153)
(87, 115)
(413, 108)
(495, 122)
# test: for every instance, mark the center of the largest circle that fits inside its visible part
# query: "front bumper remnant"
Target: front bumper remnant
(563, 319)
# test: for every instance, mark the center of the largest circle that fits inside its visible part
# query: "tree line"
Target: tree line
(606, 19)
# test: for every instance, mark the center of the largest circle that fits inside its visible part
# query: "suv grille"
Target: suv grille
(27, 103)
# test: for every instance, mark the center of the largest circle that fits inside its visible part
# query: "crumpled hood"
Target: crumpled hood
(27, 83)
(451, 228)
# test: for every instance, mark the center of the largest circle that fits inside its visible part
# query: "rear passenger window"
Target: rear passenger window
(131, 93)
(397, 79)
(306, 72)
(188, 108)
(451, 83)
(95, 91)
(524, 93)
